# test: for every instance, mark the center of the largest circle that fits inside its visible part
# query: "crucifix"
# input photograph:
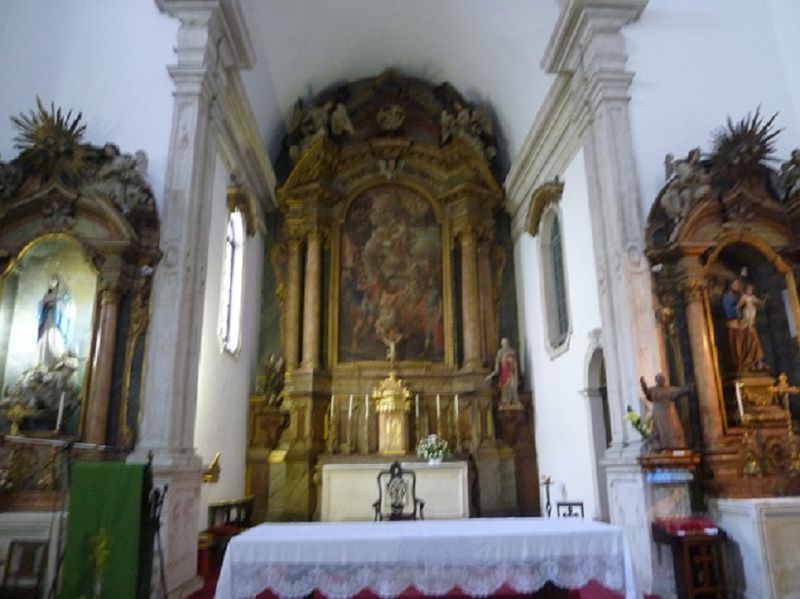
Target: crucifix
(783, 389)
(391, 348)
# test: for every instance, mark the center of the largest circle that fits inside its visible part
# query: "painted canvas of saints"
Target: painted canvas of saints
(391, 278)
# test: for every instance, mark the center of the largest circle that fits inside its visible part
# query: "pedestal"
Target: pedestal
(667, 477)
(761, 556)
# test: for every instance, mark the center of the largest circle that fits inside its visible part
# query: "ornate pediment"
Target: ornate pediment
(57, 181)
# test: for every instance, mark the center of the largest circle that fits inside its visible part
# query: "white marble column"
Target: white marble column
(211, 43)
(588, 51)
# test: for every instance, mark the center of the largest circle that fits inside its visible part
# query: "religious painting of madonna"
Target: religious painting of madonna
(46, 316)
(391, 278)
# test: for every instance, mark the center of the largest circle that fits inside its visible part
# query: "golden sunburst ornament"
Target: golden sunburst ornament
(51, 143)
(742, 149)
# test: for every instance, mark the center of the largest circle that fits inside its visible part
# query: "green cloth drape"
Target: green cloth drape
(106, 499)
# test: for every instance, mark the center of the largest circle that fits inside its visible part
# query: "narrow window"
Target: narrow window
(232, 279)
(559, 283)
(554, 280)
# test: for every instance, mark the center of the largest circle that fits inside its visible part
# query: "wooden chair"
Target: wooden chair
(24, 570)
(569, 509)
(226, 519)
(397, 495)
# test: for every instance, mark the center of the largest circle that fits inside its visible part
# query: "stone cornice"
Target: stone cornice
(579, 21)
(588, 56)
(213, 45)
(552, 142)
(238, 48)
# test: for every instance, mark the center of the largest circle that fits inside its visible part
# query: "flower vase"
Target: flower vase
(434, 461)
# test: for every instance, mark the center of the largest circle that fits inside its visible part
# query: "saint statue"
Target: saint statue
(505, 369)
(740, 308)
(56, 313)
(667, 428)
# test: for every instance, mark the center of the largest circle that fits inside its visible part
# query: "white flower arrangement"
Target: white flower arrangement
(432, 447)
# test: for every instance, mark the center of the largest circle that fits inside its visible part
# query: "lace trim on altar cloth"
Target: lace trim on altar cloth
(390, 580)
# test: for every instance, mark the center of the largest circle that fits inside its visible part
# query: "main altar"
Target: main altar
(393, 286)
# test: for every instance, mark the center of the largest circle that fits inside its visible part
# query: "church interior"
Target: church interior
(523, 272)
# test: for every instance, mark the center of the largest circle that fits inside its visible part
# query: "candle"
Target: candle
(739, 400)
(333, 399)
(366, 407)
(438, 410)
(60, 411)
(456, 405)
(416, 406)
(350, 409)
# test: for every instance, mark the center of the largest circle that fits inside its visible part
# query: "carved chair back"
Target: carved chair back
(397, 495)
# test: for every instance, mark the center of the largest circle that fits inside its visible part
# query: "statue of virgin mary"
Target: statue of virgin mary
(56, 314)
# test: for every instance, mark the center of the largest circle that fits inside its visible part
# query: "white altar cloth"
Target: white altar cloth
(479, 555)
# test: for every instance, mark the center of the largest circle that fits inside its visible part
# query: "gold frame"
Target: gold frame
(90, 358)
(335, 282)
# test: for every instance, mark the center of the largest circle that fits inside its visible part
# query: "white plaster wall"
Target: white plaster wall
(106, 59)
(564, 442)
(225, 379)
(696, 63)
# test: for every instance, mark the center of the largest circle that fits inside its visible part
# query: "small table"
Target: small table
(697, 558)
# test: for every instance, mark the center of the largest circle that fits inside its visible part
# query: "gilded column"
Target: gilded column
(311, 303)
(102, 363)
(490, 337)
(292, 340)
(470, 303)
(702, 358)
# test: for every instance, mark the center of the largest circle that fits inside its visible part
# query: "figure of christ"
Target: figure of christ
(391, 347)
(748, 306)
(667, 427)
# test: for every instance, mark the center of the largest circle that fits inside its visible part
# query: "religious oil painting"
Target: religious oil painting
(391, 278)
(46, 316)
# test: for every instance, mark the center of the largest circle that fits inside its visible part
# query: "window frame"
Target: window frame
(556, 303)
(232, 283)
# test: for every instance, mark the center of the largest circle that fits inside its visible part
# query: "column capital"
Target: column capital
(222, 19)
(694, 290)
(584, 23)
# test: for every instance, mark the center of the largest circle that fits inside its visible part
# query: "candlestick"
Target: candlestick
(458, 428)
(438, 415)
(60, 411)
(416, 406)
(333, 399)
(738, 386)
(350, 410)
(366, 407)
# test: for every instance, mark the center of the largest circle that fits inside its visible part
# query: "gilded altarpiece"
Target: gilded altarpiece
(390, 263)
(722, 238)
(78, 244)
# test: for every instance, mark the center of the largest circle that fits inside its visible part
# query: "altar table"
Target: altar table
(340, 559)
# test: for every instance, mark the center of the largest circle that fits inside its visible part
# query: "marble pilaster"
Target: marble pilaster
(212, 44)
(588, 53)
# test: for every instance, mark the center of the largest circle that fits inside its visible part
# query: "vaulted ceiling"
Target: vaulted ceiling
(490, 50)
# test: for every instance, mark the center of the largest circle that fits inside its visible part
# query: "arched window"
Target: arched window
(554, 280)
(230, 316)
